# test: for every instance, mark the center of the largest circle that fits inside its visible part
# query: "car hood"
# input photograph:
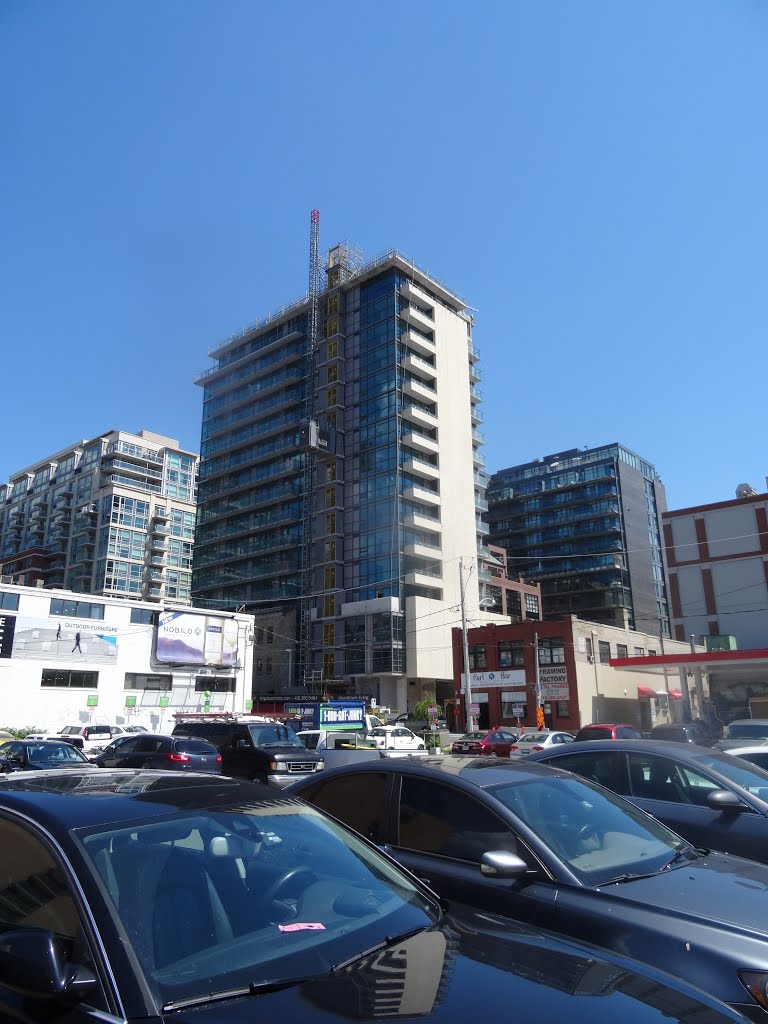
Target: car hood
(439, 974)
(717, 888)
(290, 749)
(733, 744)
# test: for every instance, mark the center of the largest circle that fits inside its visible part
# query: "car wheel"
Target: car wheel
(493, 754)
(391, 746)
(420, 746)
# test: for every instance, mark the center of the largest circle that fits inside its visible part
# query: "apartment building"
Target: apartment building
(113, 515)
(342, 482)
(585, 524)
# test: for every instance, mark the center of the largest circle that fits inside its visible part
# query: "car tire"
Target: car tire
(493, 754)
(391, 746)
(420, 746)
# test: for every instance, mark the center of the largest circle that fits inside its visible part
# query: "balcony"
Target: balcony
(423, 579)
(422, 496)
(472, 352)
(481, 504)
(415, 467)
(422, 550)
(478, 459)
(417, 342)
(160, 516)
(481, 479)
(417, 319)
(420, 367)
(482, 527)
(157, 560)
(156, 592)
(411, 291)
(417, 414)
(419, 390)
(416, 521)
(157, 543)
(475, 415)
(162, 531)
(475, 374)
(422, 443)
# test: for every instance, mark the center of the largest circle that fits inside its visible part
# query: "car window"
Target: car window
(746, 730)
(122, 746)
(35, 891)
(759, 758)
(601, 766)
(653, 777)
(748, 776)
(192, 747)
(54, 753)
(274, 735)
(434, 818)
(625, 733)
(149, 744)
(358, 801)
(508, 737)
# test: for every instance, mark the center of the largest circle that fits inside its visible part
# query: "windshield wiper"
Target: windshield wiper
(684, 854)
(255, 988)
(628, 876)
(388, 940)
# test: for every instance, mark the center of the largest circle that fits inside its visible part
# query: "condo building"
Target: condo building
(585, 524)
(342, 483)
(113, 515)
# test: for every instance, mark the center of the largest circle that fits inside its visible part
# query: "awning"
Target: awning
(672, 694)
(645, 692)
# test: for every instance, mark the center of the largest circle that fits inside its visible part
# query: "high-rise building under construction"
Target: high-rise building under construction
(342, 483)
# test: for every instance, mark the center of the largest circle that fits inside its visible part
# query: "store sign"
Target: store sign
(130, 701)
(509, 679)
(554, 682)
(92, 700)
(7, 630)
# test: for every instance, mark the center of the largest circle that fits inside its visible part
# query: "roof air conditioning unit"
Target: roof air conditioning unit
(6, 579)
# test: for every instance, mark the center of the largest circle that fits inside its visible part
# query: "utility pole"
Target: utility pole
(539, 704)
(470, 718)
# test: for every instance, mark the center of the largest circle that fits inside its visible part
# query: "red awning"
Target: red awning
(675, 695)
(645, 692)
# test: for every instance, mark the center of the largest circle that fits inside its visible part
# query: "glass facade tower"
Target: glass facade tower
(585, 525)
(324, 474)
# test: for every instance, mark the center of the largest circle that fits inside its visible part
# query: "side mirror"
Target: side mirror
(501, 864)
(241, 745)
(724, 800)
(32, 964)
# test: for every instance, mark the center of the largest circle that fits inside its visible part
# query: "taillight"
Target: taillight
(177, 757)
(218, 759)
(513, 747)
(537, 748)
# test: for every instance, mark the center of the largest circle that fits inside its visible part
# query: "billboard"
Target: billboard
(78, 641)
(184, 638)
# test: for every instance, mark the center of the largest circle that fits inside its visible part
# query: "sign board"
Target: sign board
(130, 702)
(92, 700)
(554, 682)
(185, 638)
(7, 629)
(249, 705)
(518, 710)
(164, 702)
(509, 679)
(433, 711)
(474, 709)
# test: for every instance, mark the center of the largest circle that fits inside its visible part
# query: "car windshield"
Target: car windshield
(276, 891)
(533, 737)
(309, 739)
(474, 735)
(746, 730)
(382, 731)
(736, 770)
(54, 753)
(94, 731)
(597, 835)
(274, 736)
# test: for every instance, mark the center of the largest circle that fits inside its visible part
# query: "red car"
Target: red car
(607, 732)
(496, 743)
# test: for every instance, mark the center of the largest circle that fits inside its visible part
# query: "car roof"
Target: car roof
(484, 772)
(607, 725)
(97, 796)
(666, 748)
(747, 721)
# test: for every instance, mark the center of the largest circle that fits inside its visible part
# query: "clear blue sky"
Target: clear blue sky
(590, 174)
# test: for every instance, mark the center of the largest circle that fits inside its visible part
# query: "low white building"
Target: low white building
(69, 658)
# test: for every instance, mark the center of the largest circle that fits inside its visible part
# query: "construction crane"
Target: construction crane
(313, 337)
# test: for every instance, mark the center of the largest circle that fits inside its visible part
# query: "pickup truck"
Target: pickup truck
(339, 746)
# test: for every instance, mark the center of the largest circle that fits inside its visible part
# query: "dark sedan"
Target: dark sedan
(199, 899)
(148, 750)
(39, 755)
(713, 799)
(550, 848)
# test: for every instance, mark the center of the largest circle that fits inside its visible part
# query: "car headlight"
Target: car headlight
(756, 983)
(319, 765)
(276, 766)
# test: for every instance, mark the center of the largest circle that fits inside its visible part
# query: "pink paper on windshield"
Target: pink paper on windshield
(302, 926)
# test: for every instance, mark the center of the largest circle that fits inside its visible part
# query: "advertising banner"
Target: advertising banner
(78, 641)
(554, 682)
(184, 638)
(509, 679)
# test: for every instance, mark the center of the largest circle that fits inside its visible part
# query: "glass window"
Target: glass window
(601, 766)
(514, 699)
(329, 605)
(477, 657)
(437, 819)
(621, 650)
(142, 681)
(80, 609)
(551, 651)
(605, 651)
(144, 616)
(9, 602)
(357, 800)
(658, 778)
(65, 678)
(511, 653)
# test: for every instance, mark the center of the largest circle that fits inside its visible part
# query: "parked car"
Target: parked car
(39, 755)
(710, 797)
(741, 730)
(151, 750)
(496, 743)
(187, 899)
(683, 732)
(518, 838)
(332, 739)
(254, 748)
(396, 737)
(91, 739)
(533, 741)
(605, 731)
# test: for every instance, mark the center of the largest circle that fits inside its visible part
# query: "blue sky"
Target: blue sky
(590, 174)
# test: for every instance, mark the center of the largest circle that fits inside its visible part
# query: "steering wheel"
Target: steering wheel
(587, 832)
(272, 891)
